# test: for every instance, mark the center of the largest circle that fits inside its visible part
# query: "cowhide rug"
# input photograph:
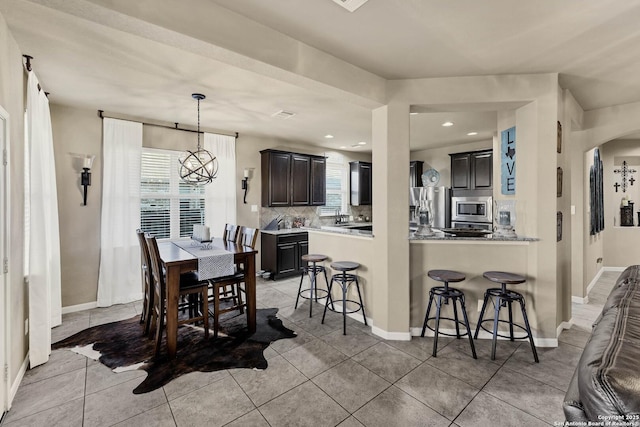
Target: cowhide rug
(122, 344)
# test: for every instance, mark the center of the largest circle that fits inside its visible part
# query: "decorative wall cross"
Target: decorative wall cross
(625, 172)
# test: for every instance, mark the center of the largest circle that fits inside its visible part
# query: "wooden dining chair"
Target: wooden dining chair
(190, 286)
(230, 232)
(147, 282)
(247, 237)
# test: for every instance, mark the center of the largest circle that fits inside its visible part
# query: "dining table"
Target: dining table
(177, 261)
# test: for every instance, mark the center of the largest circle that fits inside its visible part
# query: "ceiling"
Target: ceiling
(145, 58)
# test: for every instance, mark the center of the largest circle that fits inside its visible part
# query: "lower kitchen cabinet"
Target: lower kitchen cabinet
(281, 253)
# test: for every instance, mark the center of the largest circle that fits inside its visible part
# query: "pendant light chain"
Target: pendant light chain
(198, 124)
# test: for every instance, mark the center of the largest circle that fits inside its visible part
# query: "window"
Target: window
(168, 206)
(337, 185)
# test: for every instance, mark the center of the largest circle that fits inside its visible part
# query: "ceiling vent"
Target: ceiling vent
(283, 114)
(350, 5)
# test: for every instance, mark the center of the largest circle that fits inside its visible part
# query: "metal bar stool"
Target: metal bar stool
(345, 279)
(503, 297)
(445, 292)
(313, 271)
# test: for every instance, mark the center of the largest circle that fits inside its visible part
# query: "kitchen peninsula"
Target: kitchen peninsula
(472, 256)
(469, 255)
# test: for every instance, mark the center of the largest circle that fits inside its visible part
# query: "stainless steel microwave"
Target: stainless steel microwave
(472, 208)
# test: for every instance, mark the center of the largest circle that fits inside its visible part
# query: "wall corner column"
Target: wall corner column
(391, 297)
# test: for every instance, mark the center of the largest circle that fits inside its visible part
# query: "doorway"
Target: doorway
(4, 264)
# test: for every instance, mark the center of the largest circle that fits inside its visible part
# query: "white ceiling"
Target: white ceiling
(92, 54)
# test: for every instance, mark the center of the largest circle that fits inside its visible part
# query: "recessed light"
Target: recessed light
(343, 146)
(472, 133)
(362, 143)
(447, 124)
(413, 113)
(328, 136)
(355, 145)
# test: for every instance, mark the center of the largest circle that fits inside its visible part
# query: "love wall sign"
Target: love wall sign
(508, 161)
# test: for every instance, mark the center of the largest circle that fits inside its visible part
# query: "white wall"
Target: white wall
(621, 247)
(12, 86)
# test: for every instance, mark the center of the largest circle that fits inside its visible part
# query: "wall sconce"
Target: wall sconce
(85, 175)
(245, 185)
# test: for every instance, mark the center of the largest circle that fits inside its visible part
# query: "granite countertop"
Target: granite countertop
(439, 235)
(345, 231)
(285, 231)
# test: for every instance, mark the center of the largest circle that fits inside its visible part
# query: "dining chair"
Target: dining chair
(247, 237)
(190, 286)
(230, 232)
(147, 282)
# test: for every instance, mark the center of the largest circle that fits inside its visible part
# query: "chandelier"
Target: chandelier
(198, 167)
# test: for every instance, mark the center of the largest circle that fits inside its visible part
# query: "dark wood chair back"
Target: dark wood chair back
(230, 232)
(156, 268)
(248, 236)
(147, 281)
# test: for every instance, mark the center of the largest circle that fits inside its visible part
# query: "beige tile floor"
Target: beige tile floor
(320, 378)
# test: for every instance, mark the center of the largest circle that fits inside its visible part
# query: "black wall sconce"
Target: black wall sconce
(245, 185)
(86, 162)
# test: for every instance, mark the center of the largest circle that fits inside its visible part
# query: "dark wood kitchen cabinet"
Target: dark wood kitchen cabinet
(472, 170)
(292, 179)
(281, 253)
(318, 181)
(300, 177)
(415, 173)
(361, 180)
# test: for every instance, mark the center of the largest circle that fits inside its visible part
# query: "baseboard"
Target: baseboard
(585, 299)
(484, 335)
(79, 307)
(614, 268)
(562, 327)
(395, 336)
(18, 381)
(545, 342)
(579, 300)
(595, 280)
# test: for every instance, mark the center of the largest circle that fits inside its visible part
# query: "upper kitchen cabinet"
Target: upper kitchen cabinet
(415, 173)
(292, 179)
(300, 178)
(361, 183)
(318, 181)
(472, 170)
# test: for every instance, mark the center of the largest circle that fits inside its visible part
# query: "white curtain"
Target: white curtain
(220, 206)
(45, 301)
(119, 278)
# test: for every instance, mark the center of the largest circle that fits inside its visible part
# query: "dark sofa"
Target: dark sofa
(606, 384)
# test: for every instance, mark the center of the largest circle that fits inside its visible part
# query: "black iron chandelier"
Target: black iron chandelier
(198, 167)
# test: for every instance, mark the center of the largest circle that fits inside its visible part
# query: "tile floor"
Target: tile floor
(320, 378)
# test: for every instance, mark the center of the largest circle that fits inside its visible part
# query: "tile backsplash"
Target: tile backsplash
(310, 213)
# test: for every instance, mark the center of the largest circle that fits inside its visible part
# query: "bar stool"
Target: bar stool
(312, 271)
(345, 279)
(445, 292)
(503, 297)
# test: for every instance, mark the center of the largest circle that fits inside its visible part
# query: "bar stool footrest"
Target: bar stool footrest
(324, 292)
(462, 334)
(515, 325)
(335, 310)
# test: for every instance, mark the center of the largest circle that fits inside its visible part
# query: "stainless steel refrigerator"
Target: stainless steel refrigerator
(441, 202)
